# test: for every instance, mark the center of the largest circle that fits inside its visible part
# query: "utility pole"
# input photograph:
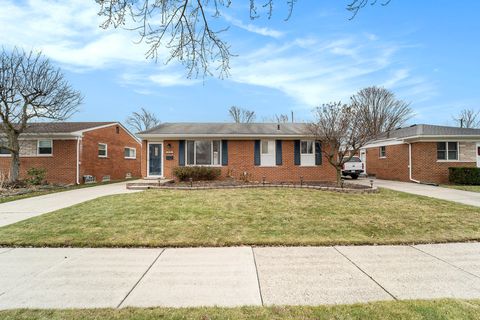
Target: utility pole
(292, 116)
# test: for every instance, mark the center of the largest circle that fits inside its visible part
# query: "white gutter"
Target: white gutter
(410, 163)
(78, 161)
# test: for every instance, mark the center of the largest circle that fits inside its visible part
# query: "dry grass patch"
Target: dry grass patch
(399, 310)
(248, 217)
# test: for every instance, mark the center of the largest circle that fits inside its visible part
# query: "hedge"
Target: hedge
(196, 173)
(464, 175)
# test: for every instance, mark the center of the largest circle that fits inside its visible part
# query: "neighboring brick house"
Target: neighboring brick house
(276, 152)
(422, 153)
(71, 150)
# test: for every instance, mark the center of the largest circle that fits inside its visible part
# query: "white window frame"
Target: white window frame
(447, 159)
(211, 155)
(384, 152)
(134, 153)
(106, 150)
(44, 154)
(307, 159)
(268, 159)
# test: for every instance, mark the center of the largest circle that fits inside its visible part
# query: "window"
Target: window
(44, 147)
(267, 152)
(447, 150)
(307, 153)
(203, 152)
(4, 151)
(130, 153)
(383, 152)
(306, 147)
(102, 150)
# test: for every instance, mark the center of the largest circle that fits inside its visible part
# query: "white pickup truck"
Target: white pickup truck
(353, 168)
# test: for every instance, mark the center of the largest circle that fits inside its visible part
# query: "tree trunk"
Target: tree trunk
(339, 177)
(15, 153)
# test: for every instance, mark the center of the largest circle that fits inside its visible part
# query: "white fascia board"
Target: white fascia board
(381, 143)
(442, 138)
(54, 136)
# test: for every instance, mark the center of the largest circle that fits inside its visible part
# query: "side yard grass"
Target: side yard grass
(399, 310)
(463, 187)
(170, 218)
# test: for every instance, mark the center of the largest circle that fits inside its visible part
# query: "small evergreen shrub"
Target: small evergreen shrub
(464, 175)
(197, 173)
(36, 176)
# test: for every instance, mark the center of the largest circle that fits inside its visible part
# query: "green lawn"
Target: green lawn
(463, 187)
(167, 218)
(398, 310)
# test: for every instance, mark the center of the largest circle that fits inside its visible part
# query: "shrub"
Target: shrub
(36, 176)
(196, 173)
(464, 175)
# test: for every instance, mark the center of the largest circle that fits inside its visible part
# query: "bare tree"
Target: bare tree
(31, 88)
(379, 110)
(142, 120)
(184, 28)
(281, 118)
(468, 118)
(240, 115)
(340, 130)
(356, 5)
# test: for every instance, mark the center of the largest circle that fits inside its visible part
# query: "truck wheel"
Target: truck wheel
(354, 176)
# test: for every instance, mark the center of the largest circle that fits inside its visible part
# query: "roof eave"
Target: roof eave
(231, 136)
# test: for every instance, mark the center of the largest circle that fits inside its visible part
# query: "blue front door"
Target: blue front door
(155, 159)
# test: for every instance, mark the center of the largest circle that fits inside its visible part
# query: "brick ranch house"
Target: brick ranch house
(422, 153)
(71, 150)
(276, 152)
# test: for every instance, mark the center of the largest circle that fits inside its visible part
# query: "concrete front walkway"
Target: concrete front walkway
(97, 278)
(14, 211)
(460, 196)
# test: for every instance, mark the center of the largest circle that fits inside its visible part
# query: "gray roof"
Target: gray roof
(62, 127)
(241, 129)
(428, 130)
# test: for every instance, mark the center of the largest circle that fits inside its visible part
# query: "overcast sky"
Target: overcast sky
(427, 54)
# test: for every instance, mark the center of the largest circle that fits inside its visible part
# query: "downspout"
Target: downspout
(410, 163)
(78, 160)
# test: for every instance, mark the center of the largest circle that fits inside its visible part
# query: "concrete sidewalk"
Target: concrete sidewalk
(97, 278)
(460, 196)
(14, 211)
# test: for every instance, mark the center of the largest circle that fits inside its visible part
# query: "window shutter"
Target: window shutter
(318, 153)
(224, 152)
(278, 153)
(256, 154)
(296, 152)
(181, 153)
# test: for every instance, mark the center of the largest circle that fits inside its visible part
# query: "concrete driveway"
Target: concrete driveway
(14, 211)
(460, 196)
(184, 277)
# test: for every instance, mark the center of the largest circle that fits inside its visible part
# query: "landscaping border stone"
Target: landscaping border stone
(139, 186)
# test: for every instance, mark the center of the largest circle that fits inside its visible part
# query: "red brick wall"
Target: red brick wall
(425, 166)
(114, 165)
(393, 167)
(241, 159)
(61, 167)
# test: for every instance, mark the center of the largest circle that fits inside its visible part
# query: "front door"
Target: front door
(155, 159)
(477, 152)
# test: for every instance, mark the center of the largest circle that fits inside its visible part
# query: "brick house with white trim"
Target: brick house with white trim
(275, 152)
(69, 151)
(421, 153)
